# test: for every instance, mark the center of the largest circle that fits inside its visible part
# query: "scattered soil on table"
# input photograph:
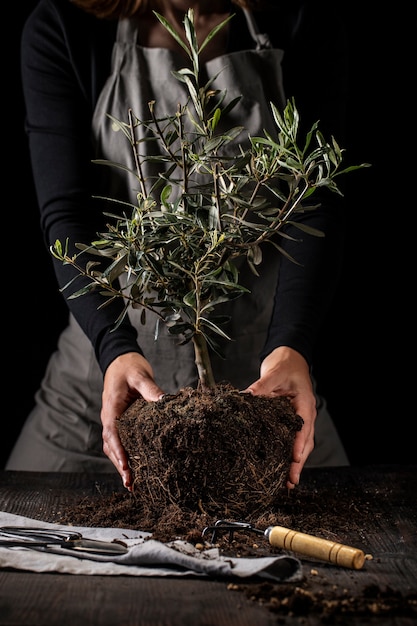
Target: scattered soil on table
(191, 472)
(321, 594)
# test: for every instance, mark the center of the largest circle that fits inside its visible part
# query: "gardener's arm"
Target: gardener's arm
(284, 372)
(65, 60)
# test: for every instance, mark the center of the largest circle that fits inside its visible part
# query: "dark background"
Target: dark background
(366, 345)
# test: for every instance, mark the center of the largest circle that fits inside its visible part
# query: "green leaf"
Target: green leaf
(305, 228)
(116, 268)
(189, 299)
(165, 194)
(214, 328)
(171, 31)
(214, 32)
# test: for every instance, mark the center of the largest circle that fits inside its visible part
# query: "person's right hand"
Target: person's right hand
(127, 378)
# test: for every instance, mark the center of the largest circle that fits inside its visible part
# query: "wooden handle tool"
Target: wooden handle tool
(308, 545)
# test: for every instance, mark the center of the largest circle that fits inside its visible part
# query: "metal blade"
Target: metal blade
(95, 546)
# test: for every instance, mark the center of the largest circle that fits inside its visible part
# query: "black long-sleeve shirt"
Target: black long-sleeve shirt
(66, 56)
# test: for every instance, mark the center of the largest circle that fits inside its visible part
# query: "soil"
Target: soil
(322, 594)
(219, 452)
(230, 460)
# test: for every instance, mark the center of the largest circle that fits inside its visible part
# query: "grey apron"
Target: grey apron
(141, 75)
(63, 432)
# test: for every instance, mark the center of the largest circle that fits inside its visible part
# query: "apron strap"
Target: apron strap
(261, 39)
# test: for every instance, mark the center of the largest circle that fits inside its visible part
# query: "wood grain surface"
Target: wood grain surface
(389, 533)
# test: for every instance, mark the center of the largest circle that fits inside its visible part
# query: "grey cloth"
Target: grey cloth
(145, 557)
(63, 432)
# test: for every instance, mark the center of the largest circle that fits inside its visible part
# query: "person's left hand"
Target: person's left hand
(285, 372)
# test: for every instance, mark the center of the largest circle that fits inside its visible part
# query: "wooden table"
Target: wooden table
(389, 534)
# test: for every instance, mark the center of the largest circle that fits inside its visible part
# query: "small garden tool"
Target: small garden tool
(286, 539)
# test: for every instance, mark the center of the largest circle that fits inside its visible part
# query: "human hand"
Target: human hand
(284, 372)
(127, 378)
